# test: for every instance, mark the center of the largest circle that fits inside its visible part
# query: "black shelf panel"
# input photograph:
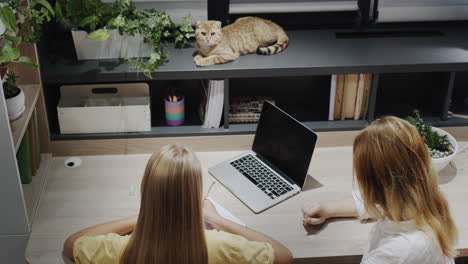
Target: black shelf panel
(311, 52)
(234, 129)
(400, 94)
(451, 122)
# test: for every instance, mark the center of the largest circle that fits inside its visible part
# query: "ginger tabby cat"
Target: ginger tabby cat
(247, 35)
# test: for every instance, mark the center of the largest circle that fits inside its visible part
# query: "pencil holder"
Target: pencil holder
(175, 112)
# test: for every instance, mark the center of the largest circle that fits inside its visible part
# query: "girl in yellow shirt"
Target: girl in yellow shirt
(170, 225)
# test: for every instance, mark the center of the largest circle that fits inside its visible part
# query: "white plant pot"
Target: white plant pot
(116, 46)
(441, 163)
(15, 106)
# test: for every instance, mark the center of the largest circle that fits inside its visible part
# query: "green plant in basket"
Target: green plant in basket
(154, 26)
(10, 89)
(438, 145)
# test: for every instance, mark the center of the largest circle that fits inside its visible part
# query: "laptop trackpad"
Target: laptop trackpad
(242, 187)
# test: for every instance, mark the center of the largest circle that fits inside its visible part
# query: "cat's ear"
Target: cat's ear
(217, 24)
(198, 23)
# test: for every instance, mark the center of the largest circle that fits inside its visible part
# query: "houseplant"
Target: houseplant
(441, 145)
(113, 28)
(14, 96)
(18, 24)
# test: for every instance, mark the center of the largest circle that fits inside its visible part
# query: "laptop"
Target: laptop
(276, 167)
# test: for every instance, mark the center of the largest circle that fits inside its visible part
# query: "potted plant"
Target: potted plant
(441, 145)
(121, 30)
(14, 96)
(15, 20)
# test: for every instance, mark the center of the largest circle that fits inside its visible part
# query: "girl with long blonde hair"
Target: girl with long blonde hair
(170, 227)
(398, 187)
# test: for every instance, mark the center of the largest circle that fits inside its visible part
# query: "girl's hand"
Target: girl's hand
(315, 213)
(211, 216)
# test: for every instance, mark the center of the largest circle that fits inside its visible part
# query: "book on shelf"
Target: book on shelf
(331, 105)
(339, 97)
(36, 131)
(366, 96)
(32, 146)
(359, 95)
(247, 109)
(349, 96)
(23, 157)
(212, 103)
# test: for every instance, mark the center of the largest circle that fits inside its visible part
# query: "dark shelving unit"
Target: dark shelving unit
(400, 94)
(421, 71)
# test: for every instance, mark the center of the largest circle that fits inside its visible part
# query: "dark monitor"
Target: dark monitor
(284, 142)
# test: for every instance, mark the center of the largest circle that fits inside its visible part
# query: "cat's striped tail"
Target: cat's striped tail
(280, 45)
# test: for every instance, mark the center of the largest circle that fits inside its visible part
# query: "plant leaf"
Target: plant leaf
(100, 34)
(16, 40)
(8, 18)
(58, 11)
(45, 4)
(9, 53)
(27, 61)
(87, 20)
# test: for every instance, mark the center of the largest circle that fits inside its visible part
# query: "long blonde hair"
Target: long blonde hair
(170, 223)
(395, 175)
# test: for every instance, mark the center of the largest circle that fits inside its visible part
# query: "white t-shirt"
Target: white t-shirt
(398, 243)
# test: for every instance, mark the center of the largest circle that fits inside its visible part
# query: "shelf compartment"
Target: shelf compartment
(192, 91)
(18, 126)
(304, 98)
(400, 93)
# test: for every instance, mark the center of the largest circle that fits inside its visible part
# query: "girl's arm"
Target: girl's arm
(316, 213)
(121, 227)
(213, 219)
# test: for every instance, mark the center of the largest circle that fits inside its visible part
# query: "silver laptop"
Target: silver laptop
(276, 167)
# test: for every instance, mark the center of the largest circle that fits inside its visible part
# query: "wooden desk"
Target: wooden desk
(99, 191)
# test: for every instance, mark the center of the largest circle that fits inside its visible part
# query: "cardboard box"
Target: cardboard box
(104, 108)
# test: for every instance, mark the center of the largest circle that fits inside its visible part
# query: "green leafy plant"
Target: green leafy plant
(10, 89)
(154, 26)
(22, 24)
(434, 141)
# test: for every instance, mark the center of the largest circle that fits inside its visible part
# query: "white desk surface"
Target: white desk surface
(99, 190)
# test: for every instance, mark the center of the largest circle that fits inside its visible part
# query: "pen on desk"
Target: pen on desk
(209, 189)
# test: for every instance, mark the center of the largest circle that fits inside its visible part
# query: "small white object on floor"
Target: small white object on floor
(225, 213)
(132, 190)
(73, 162)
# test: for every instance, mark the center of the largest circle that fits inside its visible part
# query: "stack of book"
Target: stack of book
(247, 109)
(349, 96)
(29, 154)
(211, 108)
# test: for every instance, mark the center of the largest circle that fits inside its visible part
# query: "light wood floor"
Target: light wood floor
(99, 190)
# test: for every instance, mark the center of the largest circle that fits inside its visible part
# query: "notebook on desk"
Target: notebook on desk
(225, 213)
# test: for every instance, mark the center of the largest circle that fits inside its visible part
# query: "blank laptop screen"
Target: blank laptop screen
(284, 142)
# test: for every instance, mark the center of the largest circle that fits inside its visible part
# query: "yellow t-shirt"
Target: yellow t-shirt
(223, 248)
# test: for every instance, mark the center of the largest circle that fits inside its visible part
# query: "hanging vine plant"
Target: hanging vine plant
(154, 26)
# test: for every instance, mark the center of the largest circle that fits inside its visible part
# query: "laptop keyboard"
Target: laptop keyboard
(261, 176)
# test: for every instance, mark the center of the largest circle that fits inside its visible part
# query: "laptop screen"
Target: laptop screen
(284, 142)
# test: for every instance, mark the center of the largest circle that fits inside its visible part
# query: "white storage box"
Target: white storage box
(104, 108)
(116, 46)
